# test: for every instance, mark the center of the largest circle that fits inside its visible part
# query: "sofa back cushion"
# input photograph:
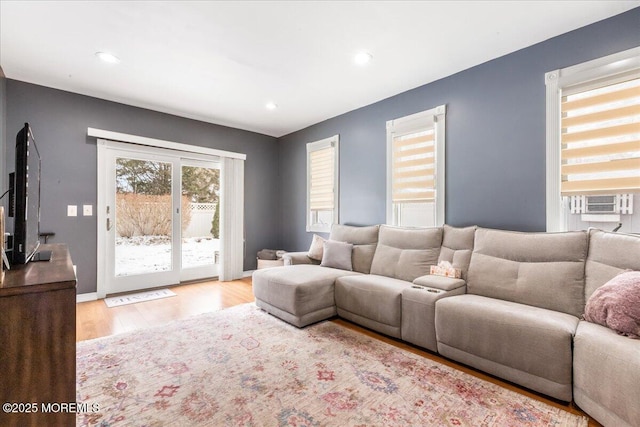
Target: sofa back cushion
(406, 253)
(457, 245)
(364, 240)
(540, 269)
(609, 255)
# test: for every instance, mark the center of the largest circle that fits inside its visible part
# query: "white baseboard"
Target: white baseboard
(91, 296)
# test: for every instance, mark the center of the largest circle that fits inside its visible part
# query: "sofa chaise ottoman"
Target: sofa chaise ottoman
(304, 294)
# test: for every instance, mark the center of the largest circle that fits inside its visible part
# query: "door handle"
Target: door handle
(108, 219)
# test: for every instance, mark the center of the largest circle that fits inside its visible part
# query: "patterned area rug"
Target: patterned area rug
(243, 367)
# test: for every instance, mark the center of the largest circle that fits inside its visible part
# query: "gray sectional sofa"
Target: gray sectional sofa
(514, 313)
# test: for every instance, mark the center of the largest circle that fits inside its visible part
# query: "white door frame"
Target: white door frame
(107, 150)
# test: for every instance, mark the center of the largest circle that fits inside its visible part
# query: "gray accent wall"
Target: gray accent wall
(495, 137)
(69, 163)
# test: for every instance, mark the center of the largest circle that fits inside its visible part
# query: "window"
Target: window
(415, 169)
(593, 144)
(322, 184)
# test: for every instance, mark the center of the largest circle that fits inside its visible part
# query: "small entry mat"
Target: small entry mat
(138, 297)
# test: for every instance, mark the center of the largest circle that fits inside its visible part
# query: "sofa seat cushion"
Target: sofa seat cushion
(606, 375)
(528, 345)
(372, 297)
(297, 289)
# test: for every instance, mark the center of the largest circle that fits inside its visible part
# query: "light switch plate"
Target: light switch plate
(72, 210)
(87, 210)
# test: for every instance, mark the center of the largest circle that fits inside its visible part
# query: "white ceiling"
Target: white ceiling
(221, 62)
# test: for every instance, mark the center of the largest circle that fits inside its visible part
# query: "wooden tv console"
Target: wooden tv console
(38, 342)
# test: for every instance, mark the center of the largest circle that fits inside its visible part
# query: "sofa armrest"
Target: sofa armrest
(439, 282)
(294, 258)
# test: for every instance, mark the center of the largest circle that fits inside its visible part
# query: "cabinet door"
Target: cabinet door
(38, 357)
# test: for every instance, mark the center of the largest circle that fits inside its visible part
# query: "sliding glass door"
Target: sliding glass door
(200, 226)
(159, 224)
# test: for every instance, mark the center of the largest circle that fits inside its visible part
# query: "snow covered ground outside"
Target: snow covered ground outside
(147, 254)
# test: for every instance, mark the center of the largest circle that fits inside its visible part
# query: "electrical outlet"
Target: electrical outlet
(72, 210)
(87, 210)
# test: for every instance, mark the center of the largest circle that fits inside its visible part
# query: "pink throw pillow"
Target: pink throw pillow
(616, 304)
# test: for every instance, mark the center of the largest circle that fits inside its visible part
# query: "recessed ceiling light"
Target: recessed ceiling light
(271, 106)
(108, 57)
(362, 58)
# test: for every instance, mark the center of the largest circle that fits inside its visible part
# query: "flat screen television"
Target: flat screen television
(26, 198)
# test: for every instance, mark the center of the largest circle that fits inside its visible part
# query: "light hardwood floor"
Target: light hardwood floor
(94, 319)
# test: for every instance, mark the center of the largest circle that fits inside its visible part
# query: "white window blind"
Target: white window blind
(593, 143)
(601, 139)
(322, 170)
(415, 162)
(413, 177)
(322, 184)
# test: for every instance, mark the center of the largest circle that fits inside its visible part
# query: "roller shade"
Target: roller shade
(413, 164)
(322, 177)
(601, 140)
